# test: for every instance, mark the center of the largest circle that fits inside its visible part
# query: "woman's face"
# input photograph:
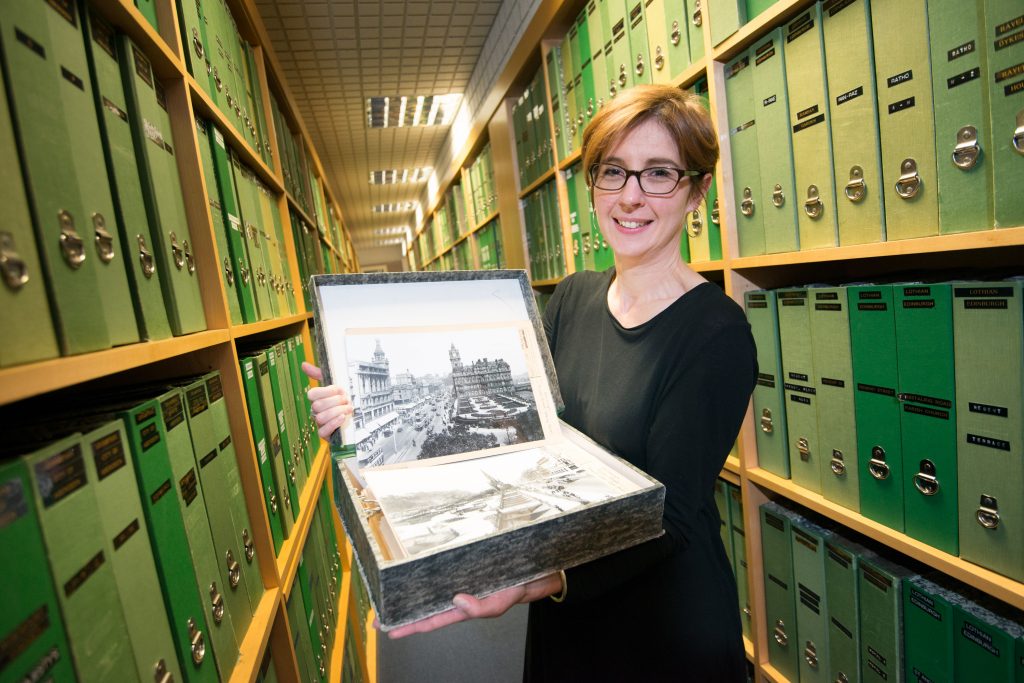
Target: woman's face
(641, 227)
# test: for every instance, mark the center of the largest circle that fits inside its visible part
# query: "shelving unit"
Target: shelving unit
(217, 348)
(936, 256)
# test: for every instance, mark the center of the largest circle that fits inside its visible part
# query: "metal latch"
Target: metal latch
(856, 189)
(877, 466)
(13, 267)
(909, 182)
(925, 480)
(747, 205)
(813, 206)
(967, 150)
(988, 512)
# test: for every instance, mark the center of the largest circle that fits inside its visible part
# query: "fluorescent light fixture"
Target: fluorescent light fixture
(395, 207)
(396, 111)
(394, 176)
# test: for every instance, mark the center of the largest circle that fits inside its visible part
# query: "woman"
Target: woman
(657, 365)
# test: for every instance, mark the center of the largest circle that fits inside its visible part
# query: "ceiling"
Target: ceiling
(336, 54)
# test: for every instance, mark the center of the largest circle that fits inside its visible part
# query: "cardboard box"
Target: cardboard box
(462, 478)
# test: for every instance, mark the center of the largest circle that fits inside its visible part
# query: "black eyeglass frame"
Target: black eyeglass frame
(683, 173)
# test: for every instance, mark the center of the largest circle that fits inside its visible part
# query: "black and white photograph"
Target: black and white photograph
(431, 508)
(422, 393)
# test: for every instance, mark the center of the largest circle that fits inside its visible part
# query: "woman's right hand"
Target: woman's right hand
(331, 405)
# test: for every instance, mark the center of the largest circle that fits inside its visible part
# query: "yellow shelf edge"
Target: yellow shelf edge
(249, 329)
(550, 282)
(996, 585)
(568, 161)
(754, 30)
(250, 652)
(41, 377)
(341, 609)
(545, 177)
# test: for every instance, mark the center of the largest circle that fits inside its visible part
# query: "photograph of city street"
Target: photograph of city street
(430, 508)
(429, 393)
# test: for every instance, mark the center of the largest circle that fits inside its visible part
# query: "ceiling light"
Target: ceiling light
(393, 176)
(397, 111)
(395, 207)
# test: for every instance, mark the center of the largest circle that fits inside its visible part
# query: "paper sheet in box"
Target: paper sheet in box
(464, 479)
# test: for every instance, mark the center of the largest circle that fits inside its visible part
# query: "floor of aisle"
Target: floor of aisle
(482, 650)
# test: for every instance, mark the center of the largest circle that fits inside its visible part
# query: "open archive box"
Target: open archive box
(463, 479)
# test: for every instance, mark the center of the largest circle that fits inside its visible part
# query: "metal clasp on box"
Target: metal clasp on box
(778, 198)
(837, 464)
(1018, 133)
(967, 150)
(877, 466)
(988, 512)
(925, 480)
(195, 636)
(15, 272)
(779, 633)
(747, 205)
(715, 215)
(696, 226)
(766, 421)
(813, 206)
(676, 34)
(856, 189)
(811, 655)
(803, 448)
(909, 182)
(697, 18)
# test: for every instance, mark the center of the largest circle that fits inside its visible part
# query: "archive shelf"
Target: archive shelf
(994, 584)
(545, 177)
(943, 256)
(216, 348)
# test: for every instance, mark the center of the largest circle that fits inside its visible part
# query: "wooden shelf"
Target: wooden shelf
(129, 20)
(965, 241)
(997, 585)
(291, 549)
(344, 622)
(690, 75)
(709, 266)
(545, 177)
(33, 379)
(748, 649)
(487, 219)
(550, 282)
(250, 652)
(570, 160)
(772, 675)
(251, 329)
(202, 103)
(294, 206)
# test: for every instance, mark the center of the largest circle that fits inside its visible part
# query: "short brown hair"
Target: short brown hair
(682, 113)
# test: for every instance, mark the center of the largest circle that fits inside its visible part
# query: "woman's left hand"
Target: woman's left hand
(468, 607)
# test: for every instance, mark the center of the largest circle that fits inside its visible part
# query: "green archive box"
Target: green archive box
(876, 381)
(658, 40)
(879, 588)
(963, 137)
(110, 472)
(271, 499)
(161, 188)
(905, 123)
(640, 56)
(224, 263)
(28, 328)
(280, 469)
(695, 16)
(144, 277)
(924, 341)
(311, 617)
(987, 644)
(769, 399)
(251, 218)
(812, 131)
(205, 559)
(213, 477)
(233, 227)
(158, 494)
(281, 365)
(83, 576)
(778, 201)
(33, 79)
(726, 18)
(586, 101)
(76, 96)
(295, 356)
(779, 589)
(703, 230)
(842, 558)
(1004, 53)
(928, 636)
(249, 561)
(811, 599)
(195, 43)
(620, 66)
(746, 171)
(833, 382)
(31, 627)
(798, 385)
(988, 332)
(300, 637)
(850, 69)
(738, 533)
(678, 47)
(553, 64)
(293, 461)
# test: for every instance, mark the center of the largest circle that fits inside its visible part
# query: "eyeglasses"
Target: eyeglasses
(654, 180)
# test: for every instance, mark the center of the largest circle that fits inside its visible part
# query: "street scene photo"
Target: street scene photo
(429, 393)
(432, 508)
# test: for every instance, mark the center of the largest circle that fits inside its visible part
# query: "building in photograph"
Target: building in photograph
(480, 378)
(373, 396)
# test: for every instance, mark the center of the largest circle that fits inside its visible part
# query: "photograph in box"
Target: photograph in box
(464, 479)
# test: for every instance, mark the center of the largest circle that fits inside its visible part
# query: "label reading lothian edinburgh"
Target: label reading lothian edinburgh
(924, 603)
(979, 637)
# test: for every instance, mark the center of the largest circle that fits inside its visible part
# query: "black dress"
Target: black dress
(668, 396)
